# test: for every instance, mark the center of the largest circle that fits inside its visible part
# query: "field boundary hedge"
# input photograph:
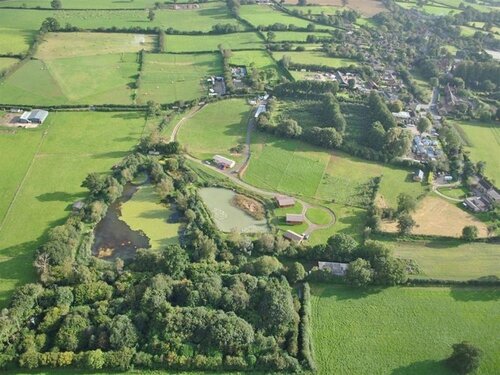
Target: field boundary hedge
(306, 350)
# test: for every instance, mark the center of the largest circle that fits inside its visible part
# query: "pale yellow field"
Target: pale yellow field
(365, 7)
(437, 216)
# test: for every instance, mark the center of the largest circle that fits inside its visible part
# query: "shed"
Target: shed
(25, 118)
(38, 116)
(335, 268)
(260, 109)
(223, 162)
(285, 201)
(292, 236)
(294, 219)
(78, 205)
(418, 176)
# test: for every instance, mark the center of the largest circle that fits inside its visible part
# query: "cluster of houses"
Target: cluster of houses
(426, 148)
(486, 196)
(291, 219)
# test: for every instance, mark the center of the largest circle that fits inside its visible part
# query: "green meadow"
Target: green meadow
(315, 58)
(451, 260)
(81, 4)
(215, 129)
(202, 19)
(144, 212)
(13, 41)
(482, 142)
(204, 43)
(168, 78)
(401, 330)
(46, 174)
(7, 62)
(258, 59)
(259, 15)
(295, 36)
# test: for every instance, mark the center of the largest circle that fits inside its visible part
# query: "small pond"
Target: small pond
(228, 217)
(113, 237)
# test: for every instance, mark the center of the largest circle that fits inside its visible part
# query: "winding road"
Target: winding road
(236, 175)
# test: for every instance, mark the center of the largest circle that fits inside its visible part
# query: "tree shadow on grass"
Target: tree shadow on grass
(129, 115)
(343, 292)
(111, 155)
(422, 367)
(466, 294)
(59, 196)
(443, 243)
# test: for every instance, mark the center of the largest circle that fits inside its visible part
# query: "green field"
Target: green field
(259, 15)
(258, 59)
(204, 43)
(201, 19)
(45, 176)
(297, 168)
(83, 80)
(482, 141)
(14, 41)
(401, 330)
(82, 4)
(315, 58)
(168, 78)
(318, 216)
(215, 129)
(451, 260)
(145, 212)
(294, 36)
(7, 62)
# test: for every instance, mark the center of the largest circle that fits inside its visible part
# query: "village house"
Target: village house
(285, 201)
(260, 109)
(487, 191)
(476, 204)
(294, 219)
(223, 163)
(292, 236)
(335, 268)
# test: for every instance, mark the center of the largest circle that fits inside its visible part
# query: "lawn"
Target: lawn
(215, 129)
(401, 330)
(144, 212)
(315, 58)
(482, 141)
(259, 15)
(48, 171)
(318, 216)
(204, 43)
(100, 79)
(451, 260)
(57, 45)
(279, 219)
(454, 192)
(7, 62)
(13, 41)
(169, 78)
(202, 19)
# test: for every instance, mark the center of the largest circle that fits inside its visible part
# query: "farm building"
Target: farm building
(37, 116)
(292, 236)
(285, 201)
(476, 204)
(223, 162)
(418, 175)
(260, 109)
(294, 219)
(337, 269)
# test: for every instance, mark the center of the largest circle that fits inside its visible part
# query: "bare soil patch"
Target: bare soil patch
(436, 216)
(367, 8)
(11, 120)
(252, 207)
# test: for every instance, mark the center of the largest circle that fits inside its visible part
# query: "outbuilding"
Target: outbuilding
(418, 176)
(38, 116)
(285, 201)
(294, 219)
(335, 268)
(292, 236)
(223, 162)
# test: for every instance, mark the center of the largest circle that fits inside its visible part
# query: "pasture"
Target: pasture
(437, 216)
(401, 330)
(83, 80)
(13, 41)
(204, 43)
(46, 177)
(315, 58)
(263, 15)
(451, 260)
(7, 62)
(295, 36)
(202, 19)
(81, 4)
(482, 141)
(258, 59)
(298, 168)
(144, 212)
(365, 7)
(59, 45)
(215, 129)
(169, 78)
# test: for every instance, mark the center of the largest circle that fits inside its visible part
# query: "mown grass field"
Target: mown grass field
(318, 215)
(451, 260)
(168, 78)
(202, 19)
(7, 62)
(63, 45)
(204, 43)
(294, 36)
(73, 80)
(215, 129)
(258, 59)
(297, 168)
(482, 141)
(145, 212)
(14, 41)
(365, 7)
(82, 4)
(46, 173)
(315, 58)
(401, 330)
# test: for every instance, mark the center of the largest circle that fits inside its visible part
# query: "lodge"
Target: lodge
(294, 219)
(292, 236)
(285, 201)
